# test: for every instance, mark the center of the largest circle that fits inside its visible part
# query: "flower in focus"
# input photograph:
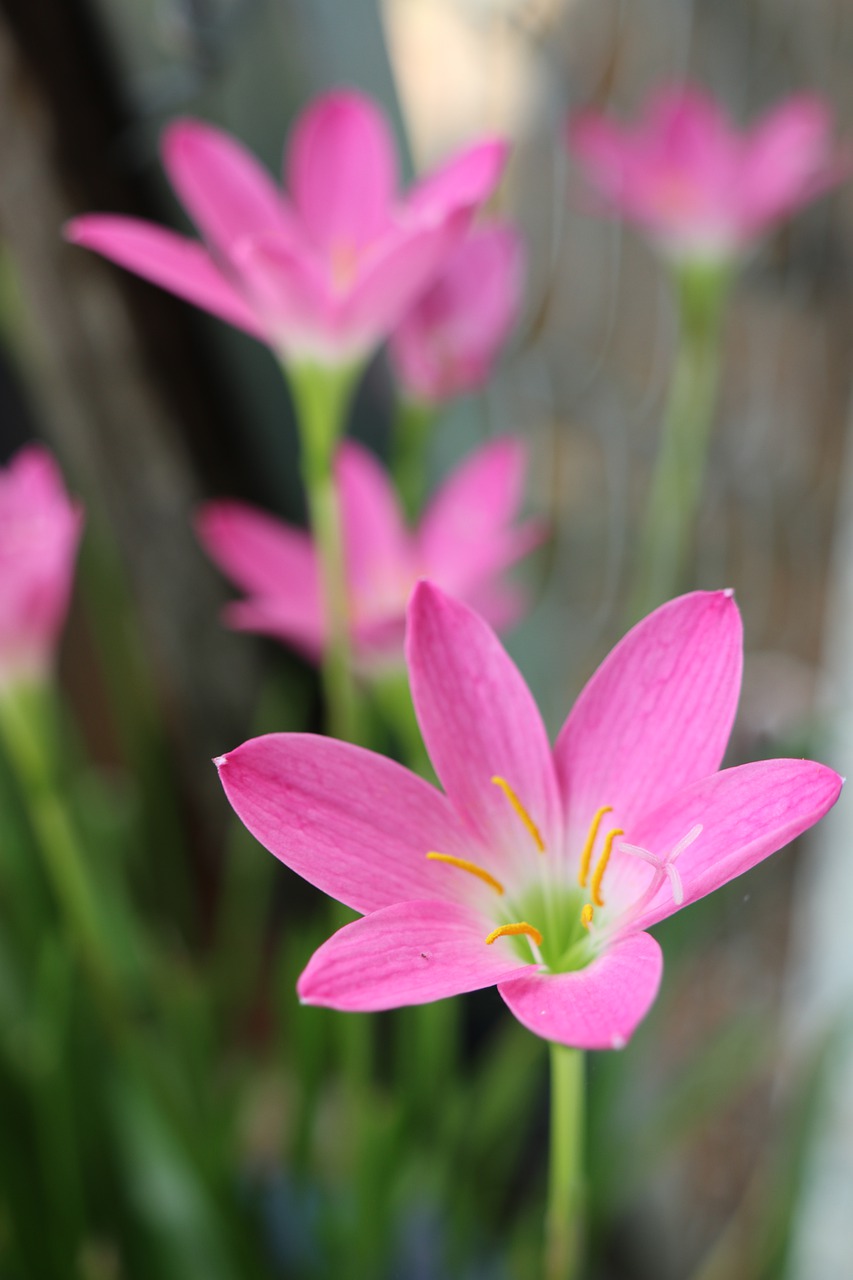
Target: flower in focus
(702, 190)
(323, 272)
(39, 532)
(537, 870)
(466, 539)
(449, 340)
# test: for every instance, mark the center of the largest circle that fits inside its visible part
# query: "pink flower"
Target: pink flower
(321, 273)
(449, 340)
(537, 870)
(702, 190)
(39, 531)
(465, 541)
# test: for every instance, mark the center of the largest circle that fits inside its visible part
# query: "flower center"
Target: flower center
(566, 917)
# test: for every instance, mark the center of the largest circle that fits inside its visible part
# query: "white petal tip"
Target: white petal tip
(729, 593)
(843, 779)
(219, 761)
(618, 1042)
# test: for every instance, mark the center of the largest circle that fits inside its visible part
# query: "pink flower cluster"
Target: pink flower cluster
(466, 539)
(39, 531)
(323, 270)
(700, 189)
(539, 870)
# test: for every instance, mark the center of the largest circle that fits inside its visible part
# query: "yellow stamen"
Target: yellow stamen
(521, 811)
(586, 856)
(513, 931)
(586, 915)
(464, 865)
(598, 874)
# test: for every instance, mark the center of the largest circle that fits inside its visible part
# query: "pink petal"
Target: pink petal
(227, 193)
(657, 714)
(466, 533)
(271, 561)
(448, 342)
(40, 529)
(594, 1008)
(464, 181)
(259, 553)
(479, 720)
(410, 953)
(291, 619)
(787, 160)
(288, 289)
(170, 260)
(376, 542)
(746, 814)
(356, 825)
(392, 276)
(341, 172)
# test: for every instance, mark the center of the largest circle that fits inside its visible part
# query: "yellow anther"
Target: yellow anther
(521, 811)
(513, 931)
(464, 865)
(586, 915)
(586, 856)
(598, 873)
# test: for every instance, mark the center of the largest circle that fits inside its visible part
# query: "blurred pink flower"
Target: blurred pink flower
(449, 340)
(465, 541)
(324, 272)
(39, 531)
(701, 189)
(508, 876)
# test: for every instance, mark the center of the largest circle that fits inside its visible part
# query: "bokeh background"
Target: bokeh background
(721, 1141)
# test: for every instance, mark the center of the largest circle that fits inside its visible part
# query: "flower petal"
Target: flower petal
(410, 953)
(464, 181)
(287, 287)
(175, 263)
(392, 276)
(479, 720)
(466, 533)
(341, 172)
(594, 1008)
(787, 160)
(356, 825)
(275, 563)
(259, 553)
(746, 814)
(227, 192)
(449, 340)
(657, 714)
(377, 546)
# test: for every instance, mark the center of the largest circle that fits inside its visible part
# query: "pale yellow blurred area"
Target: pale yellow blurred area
(468, 66)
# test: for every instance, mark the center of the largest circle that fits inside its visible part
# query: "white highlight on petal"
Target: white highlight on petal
(219, 761)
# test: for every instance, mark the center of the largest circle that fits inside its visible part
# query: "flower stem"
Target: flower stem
(564, 1213)
(412, 426)
(321, 397)
(667, 535)
(25, 730)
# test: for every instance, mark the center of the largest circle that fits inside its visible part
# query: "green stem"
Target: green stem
(321, 397)
(25, 729)
(668, 532)
(412, 426)
(564, 1214)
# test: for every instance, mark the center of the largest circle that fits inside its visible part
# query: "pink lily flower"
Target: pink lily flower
(40, 528)
(702, 190)
(537, 869)
(449, 341)
(467, 538)
(324, 272)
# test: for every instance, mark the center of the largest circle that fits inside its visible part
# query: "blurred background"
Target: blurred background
(218, 1138)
